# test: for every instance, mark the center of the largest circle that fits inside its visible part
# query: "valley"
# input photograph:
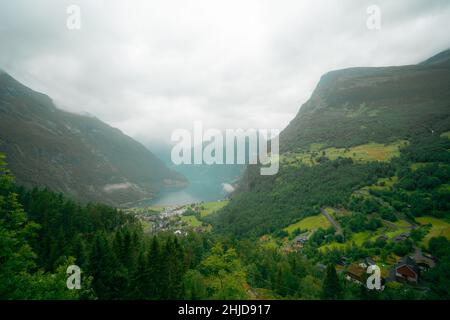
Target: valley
(363, 181)
(78, 155)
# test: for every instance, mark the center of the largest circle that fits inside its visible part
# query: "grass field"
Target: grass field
(362, 153)
(211, 207)
(402, 226)
(360, 237)
(382, 184)
(295, 159)
(156, 208)
(268, 242)
(368, 152)
(395, 233)
(357, 238)
(439, 227)
(446, 134)
(309, 223)
(191, 221)
(337, 212)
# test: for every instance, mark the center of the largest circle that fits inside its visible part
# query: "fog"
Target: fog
(150, 67)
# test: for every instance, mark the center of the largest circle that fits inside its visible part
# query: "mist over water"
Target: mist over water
(205, 182)
(196, 191)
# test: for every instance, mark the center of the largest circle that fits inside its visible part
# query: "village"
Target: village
(408, 270)
(179, 220)
(353, 257)
(300, 237)
(400, 270)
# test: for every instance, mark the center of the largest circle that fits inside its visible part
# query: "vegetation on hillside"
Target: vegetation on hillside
(78, 155)
(364, 175)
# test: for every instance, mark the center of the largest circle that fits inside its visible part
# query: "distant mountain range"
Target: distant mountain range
(78, 155)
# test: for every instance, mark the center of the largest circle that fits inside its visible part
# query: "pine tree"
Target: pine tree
(139, 279)
(18, 280)
(331, 286)
(175, 269)
(102, 267)
(156, 285)
(16, 255)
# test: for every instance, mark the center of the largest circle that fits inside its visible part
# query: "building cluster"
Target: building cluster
(407, 270)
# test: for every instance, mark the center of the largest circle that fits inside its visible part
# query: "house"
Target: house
(200, 229)
(367, 262)
(180, 232)
(424, 261)
(356, 274)
(407, 269)
(402, 237)
(343, 261)
(301, 239)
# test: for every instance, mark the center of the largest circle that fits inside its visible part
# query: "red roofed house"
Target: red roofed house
(408, 270)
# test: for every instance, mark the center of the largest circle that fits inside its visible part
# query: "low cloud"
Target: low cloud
(149, 67)
(228, 188)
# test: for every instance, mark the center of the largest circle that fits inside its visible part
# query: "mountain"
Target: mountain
(78, 155)
(358, 105)
(442, 58)
(360, 125)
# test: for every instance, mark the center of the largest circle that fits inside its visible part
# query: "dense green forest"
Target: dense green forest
(373, 196)
(276, 201)
(270, 203)
(43, 232)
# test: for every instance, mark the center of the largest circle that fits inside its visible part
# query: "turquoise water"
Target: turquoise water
(194, 193)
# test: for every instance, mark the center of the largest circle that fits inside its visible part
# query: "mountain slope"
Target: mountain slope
(360, 105)
(346, 136)
(77, 155)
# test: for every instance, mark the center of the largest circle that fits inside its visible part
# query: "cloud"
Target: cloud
(149, 67)
(228, 188)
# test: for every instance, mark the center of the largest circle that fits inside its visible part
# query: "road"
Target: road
(335, 224)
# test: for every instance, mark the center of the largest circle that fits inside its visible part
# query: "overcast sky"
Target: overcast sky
(149, 67)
